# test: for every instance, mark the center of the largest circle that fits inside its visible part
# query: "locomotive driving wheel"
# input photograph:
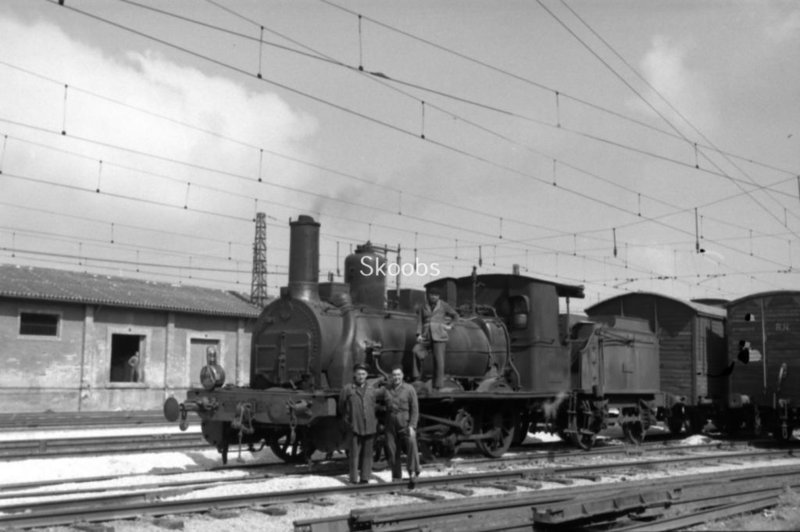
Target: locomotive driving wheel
(586, 423)
(502, 423)
(298, 451)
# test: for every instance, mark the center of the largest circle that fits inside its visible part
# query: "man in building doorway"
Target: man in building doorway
(357, 404)
(400, 425)
(133, 367)
(434, 319)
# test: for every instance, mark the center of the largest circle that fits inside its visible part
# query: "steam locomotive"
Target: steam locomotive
(512, 360)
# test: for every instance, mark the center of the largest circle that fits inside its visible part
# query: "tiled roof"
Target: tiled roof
(77, 287)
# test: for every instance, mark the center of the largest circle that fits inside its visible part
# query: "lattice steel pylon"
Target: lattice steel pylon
(258, 287)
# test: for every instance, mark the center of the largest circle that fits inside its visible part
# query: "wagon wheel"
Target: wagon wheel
(782, 432)
(697, 421)
(675, 424)
(732, 423)
(677, 419)
(504, 424)
(588, 426)
(633, 431)
(297, 452)
(521, 431)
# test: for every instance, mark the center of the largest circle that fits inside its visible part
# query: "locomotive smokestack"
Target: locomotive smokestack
(304, 259)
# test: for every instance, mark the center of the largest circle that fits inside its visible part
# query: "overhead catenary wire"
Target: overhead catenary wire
(550, 229)
(652, 107)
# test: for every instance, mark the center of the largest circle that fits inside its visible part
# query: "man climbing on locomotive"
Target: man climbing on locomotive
(434, 319)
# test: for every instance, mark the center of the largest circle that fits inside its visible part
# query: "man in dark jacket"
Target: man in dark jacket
(434, 319)
(357, 407)
(402, 415)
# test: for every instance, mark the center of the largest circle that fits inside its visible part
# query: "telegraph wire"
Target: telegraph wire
(537, 84)
(153, 273)
(121, 196)
(594, 137)
(320, 57)
(324, 168)
(245, 144)
(239, 218)
(232, 175)
(118, 245)
(86, 258)
(228, 66)
(317, 55)
(659, 94)
(441, 144)
(244, 177)
(651, 106)
(195, 236)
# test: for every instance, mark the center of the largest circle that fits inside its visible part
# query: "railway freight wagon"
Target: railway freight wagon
(764, 348)
(509, 362)
(692, 351)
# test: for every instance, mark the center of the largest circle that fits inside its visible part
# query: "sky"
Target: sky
(618, 145)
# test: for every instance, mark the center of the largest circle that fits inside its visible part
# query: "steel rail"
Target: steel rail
(330, 466)
(61, 447)
(136, 504)
(703, 516)
(51, 420)
(520, 511)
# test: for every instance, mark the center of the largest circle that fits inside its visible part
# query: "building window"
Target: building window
(35, 324)
(127, 358)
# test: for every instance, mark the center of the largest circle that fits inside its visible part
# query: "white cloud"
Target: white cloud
(145, 80)
(666, 70)
(784, 28)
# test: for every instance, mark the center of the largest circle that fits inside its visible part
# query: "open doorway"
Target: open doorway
(127, 357)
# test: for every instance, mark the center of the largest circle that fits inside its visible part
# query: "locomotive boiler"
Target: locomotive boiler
(511, 361)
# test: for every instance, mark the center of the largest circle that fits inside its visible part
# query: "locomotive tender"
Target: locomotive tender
(511, 361)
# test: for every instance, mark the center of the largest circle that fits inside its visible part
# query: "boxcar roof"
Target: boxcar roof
(698, 308)
(563, 290)
(26, 282)
(759, 295)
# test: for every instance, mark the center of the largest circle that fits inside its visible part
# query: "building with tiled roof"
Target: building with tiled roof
(73, 341)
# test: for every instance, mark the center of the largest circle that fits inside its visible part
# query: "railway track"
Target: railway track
(670, 504)
(152, 499)
(71, 420)
(689, 500)
(87, 446)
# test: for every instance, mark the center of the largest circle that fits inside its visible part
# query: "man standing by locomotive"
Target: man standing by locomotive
(357, 403)
(434, 319)
(402, 415)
